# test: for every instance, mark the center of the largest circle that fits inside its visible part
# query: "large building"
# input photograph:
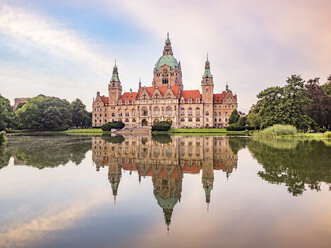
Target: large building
(165, 100)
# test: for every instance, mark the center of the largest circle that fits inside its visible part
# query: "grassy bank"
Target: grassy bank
(305, 136)
(87, 131)
(207, 131)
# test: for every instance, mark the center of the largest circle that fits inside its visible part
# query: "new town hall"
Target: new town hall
(165, 100)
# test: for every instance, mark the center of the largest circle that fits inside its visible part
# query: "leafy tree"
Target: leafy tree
(253, 120)
(161, 126)
(7, 119)
(242, 121)
(113, 125)
(319, 107)
(44, 113)
(234, 117)
(80, 116)
(284, 105)
(327, 86)
(235, 127)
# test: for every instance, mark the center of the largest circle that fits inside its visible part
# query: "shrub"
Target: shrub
(235, 127)
(327, 135)
(112, 125)
(2, 137)
(161, 126)
(277, 130)
(162, 138)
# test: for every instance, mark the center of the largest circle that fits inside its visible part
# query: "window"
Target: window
(144, 112)
(156, 96)
(105, 115)
(127, 101)
(226, 119)
(197, 100)
(169, 111)
(126, 119)
(190, 100)
(182, 112)
(189, 119)
(220, 114)
(197, 119)
(182, 120)
(220, 120)
(182, 100)
(207, 120)
(197, 111)
(119, 113)
(100, 115)
(113, 114)
(215, 120)
(190, 111)
(134, 120)
(215, 113)
(164, 80)
(95, 115)
(226, 113)
(127, 114)
(133, 113)
(156, 111)
(207, 113)
(144, 96)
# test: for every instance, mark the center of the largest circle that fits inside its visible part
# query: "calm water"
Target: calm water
(61, 191)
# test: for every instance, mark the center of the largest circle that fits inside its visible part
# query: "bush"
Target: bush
(2, 137)
(327, 135)
(112, 125)
(161, 126)
(162, 138)
(277, 130)
(235, 127)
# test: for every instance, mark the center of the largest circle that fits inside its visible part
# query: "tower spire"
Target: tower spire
(207, 69)
(167, 47)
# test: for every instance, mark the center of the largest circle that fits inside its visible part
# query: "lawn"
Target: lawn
(88, 131)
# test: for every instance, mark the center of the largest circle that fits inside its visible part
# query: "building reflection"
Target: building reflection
(165, 159)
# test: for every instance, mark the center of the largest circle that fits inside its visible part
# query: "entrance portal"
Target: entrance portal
(144, 122)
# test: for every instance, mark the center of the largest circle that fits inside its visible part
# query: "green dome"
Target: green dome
(166, 203)
(166, 60)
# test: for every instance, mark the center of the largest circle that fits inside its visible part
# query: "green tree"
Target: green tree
(327, 86)
(161, 126)
(112, 125)
(242, 121)
(253, 120)
(319, 107)
(234, 117)
(80, 116)
(44, 113)
(7, 119)
(284, 105)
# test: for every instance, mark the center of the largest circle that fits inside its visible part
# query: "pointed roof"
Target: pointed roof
(162, 89)
(194, 94)
(207, 69)
(129, 96)
(114, 77)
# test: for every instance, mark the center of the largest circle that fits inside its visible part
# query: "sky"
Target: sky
(67, 48)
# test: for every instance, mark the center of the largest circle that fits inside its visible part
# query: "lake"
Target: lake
(164, 191)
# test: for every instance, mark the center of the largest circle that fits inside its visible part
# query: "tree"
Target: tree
(161, 126)
(242, 121)
(80, 116)
(7, 119)
(319, 107)
(112, 125)
(253, 120)
(327, 86)
(234, 117)
(284, 105)
(44, 113)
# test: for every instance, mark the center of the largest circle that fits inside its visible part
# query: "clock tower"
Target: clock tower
(114, 87)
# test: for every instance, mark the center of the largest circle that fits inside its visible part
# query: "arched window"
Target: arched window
(144, 96)
(113, 114)
(215, 119)
(189, 111)
(144, 112)
(207, 113)
(189, 119)
(226, 119)
(190, 100)
(156, 111)
(182, 112)
(197, 100)
(156, 96)
(197, 111)
(127, 114)
(226, 113)
(127, 120)
(134, 120)
(182, 100)
(119, 113)
(169, 111)
(197, 119)
(182, 120)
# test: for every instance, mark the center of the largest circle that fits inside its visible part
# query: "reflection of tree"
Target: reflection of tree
(237, 144)
(162, 138)
(49, 151)
(4, 156)
(295, 164)
(118, 139)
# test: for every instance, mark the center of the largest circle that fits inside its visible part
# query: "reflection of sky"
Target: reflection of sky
(71, 205)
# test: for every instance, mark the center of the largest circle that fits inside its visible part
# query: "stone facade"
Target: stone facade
(165, 100)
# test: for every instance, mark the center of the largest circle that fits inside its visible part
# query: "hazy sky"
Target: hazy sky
(67, 48)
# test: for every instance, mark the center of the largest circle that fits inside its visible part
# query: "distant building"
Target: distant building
(17, 101)
(165, 100)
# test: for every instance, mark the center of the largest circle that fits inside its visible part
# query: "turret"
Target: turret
(207, 86)
(114, 87)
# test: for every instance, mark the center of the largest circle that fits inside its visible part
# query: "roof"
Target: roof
(129, 96)
(162, 89)
(193, 94)
(105, 99)
(166, 59)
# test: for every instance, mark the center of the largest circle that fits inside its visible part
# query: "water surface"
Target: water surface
(161, 191)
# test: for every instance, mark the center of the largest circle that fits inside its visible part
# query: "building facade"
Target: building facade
(165, 100)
